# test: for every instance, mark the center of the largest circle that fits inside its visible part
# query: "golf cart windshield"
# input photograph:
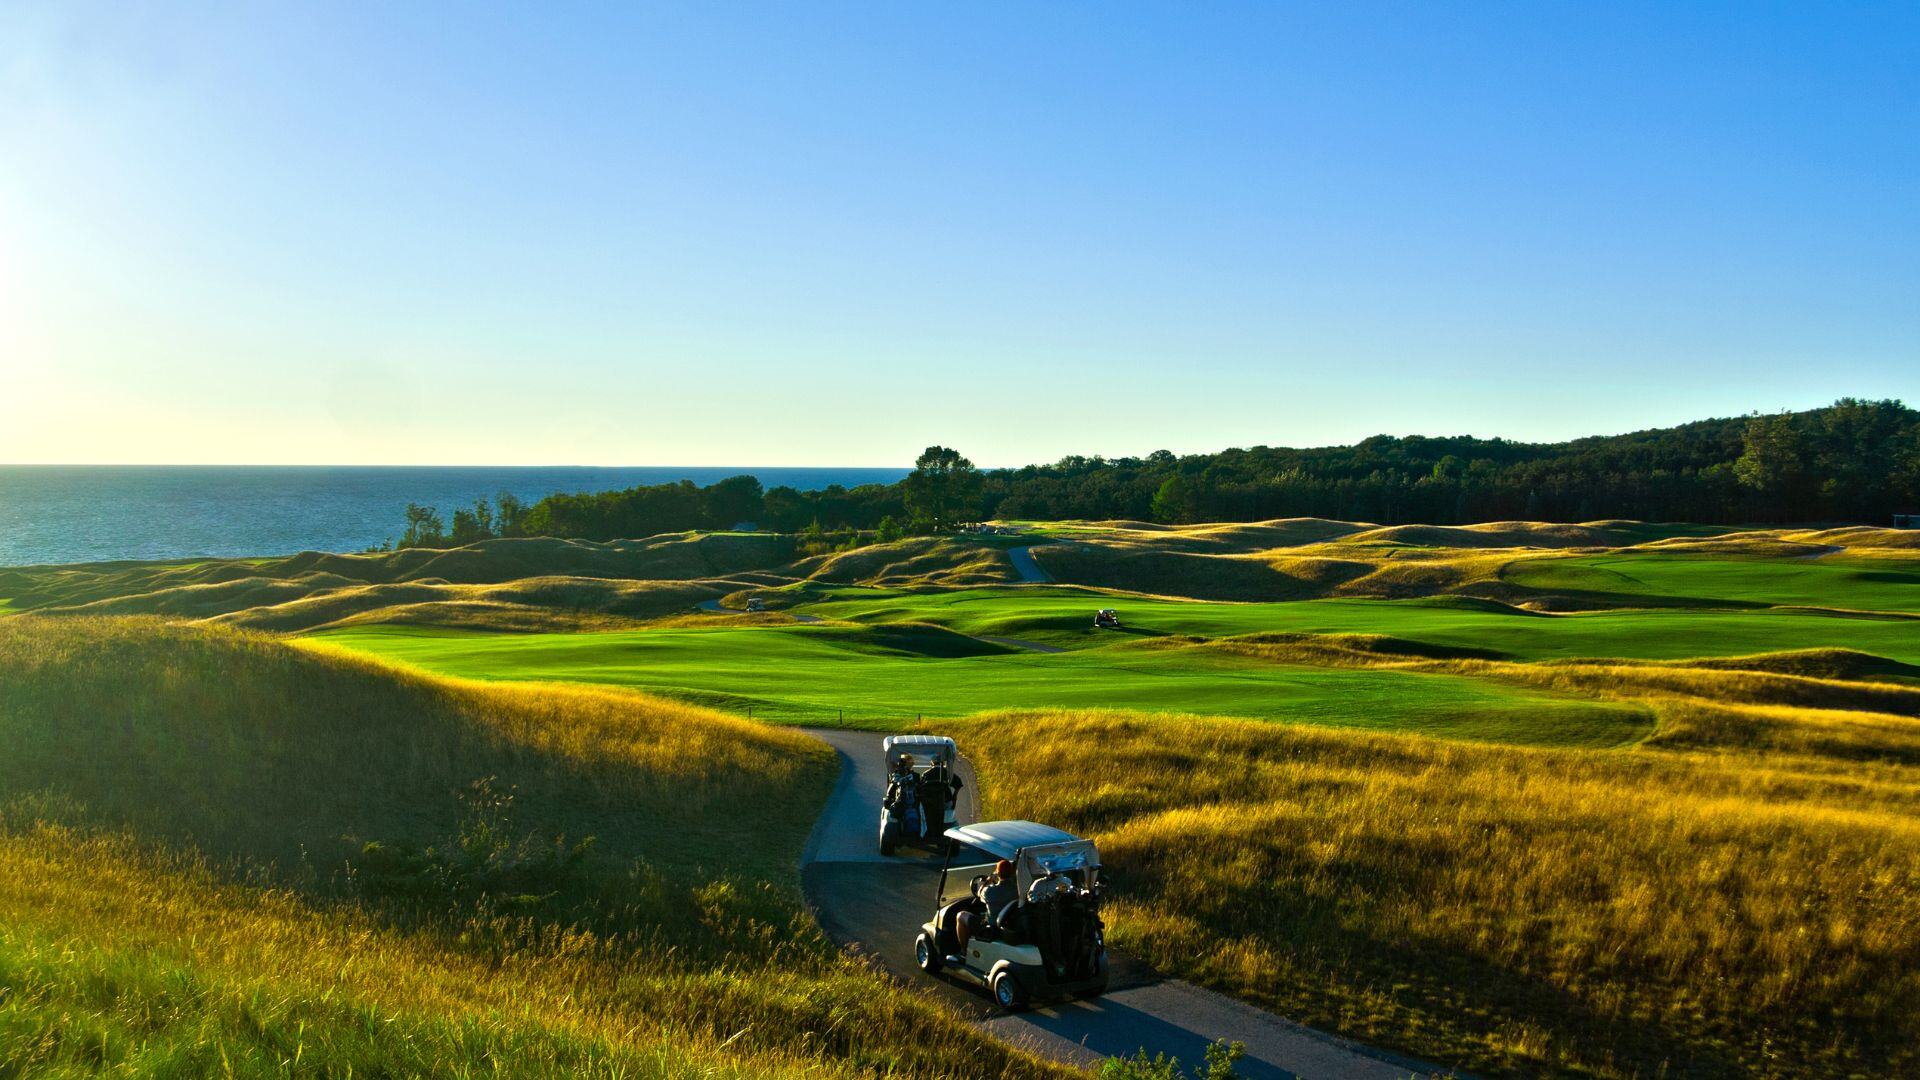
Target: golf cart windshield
(1038, 852)
(926, 749)
(1075, 861)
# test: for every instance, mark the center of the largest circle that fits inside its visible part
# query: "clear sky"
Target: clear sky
(807, 233)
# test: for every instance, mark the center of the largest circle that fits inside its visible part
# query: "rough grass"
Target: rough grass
(197, 874)
(1202, 576)
(223, 586)
(1520, 912)
(1545, 566)
(921, 560)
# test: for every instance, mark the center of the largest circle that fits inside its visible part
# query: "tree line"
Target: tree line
(941, 494)
(1853, 461)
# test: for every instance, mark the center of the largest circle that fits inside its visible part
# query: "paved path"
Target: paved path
(1026, 567)
(714, 607)
(875, 905)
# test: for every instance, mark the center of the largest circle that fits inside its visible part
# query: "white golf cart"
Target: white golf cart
(1106, 619)
(1046, 942)
(755, 603)
(922, 790)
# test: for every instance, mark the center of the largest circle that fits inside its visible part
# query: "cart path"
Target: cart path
(1026, 567)
(874, 906)
(714, 607)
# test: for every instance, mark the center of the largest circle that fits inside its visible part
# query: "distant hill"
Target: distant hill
(539, 584)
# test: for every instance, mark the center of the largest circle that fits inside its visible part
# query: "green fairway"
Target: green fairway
(1835, 582)
(805, 674)
(1063, 617)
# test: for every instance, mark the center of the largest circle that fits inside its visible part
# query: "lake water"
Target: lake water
(85, 513)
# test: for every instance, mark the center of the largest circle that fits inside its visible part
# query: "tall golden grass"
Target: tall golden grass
(1515, 911)
(180, 808)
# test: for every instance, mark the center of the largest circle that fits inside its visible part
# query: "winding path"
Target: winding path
(1028, 569)
(713, 606)
(873, 905)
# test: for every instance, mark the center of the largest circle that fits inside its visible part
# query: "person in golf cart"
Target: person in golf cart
(902, 799)
(1106, 619)
(922, 790)
(1031, 929)
(939, 793)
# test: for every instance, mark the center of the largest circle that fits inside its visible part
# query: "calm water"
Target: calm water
(78, 513)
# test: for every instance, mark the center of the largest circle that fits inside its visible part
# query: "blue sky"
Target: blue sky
(832, 234)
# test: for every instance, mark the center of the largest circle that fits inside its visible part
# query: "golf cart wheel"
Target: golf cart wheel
(1007, 993)
(926, 955)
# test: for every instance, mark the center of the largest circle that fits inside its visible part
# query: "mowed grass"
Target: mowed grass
(1516, 911)
(866, 677)
(224, 855)
(1831, 582)
(1063, 617)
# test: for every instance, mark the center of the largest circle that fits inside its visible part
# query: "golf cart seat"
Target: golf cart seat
(921, 801)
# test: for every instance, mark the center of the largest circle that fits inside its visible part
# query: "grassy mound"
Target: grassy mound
(1519, 912)
(1219, 538)
(1815, 664)
(1492, 534)
(222, 852)
(539, 603)
(1105, 565)
(227, 586)
(1594, 566)
(917, 561)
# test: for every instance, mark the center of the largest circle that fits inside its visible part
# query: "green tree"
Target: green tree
(471, 526)
(1174, 503)
(1859, 454)
(424, 528)
(888, 531)
(1774, 466)
(943, 491)
(732, 501)
(510, 514)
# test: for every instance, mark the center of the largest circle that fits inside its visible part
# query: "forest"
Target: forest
(1855, 461)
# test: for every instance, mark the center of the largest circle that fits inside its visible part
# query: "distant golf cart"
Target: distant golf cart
(754, 603)
(1046, 939)
(1106, 619)
(922, 790)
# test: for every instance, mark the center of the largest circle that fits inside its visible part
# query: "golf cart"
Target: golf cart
(755, 603)
(922, 789)
(1046, 942)
(1106, 619)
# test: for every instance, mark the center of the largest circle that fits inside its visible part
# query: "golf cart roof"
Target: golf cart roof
(1004, 839)
(920, 746)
